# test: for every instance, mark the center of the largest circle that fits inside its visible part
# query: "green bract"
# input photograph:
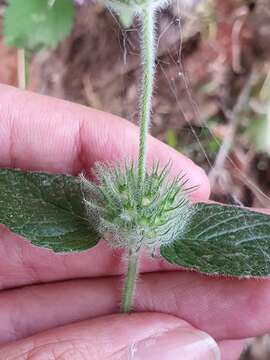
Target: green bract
(129, 214)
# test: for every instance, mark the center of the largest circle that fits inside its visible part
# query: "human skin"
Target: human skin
(66, 306)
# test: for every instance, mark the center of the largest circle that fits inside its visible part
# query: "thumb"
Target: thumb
(117, 337)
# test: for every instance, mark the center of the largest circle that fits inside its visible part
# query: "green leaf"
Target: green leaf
(33, 24)
(223, 240)
(47, 209)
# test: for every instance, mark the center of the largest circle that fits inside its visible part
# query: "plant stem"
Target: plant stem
(22, 69)
(234, 118)
(148, 57)
(130, 281)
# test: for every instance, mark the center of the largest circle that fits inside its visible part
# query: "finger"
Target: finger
(231, 349)
(118, 337)
(22, 264)
(46, 134)
(265, 211)
(225, 309)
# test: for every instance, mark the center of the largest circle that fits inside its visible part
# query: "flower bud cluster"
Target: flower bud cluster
(130, 215)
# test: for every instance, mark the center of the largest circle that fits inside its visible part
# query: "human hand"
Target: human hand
(73, 296)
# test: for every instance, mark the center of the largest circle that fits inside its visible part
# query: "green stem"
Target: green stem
(130, 282)
(148, 56)
(22, 69)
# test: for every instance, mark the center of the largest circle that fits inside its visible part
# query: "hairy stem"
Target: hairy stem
(130, 282)
(148, 56)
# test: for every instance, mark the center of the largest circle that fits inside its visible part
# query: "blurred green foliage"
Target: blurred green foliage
(34, 24)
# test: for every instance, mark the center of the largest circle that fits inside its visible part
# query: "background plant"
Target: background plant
(34, 25)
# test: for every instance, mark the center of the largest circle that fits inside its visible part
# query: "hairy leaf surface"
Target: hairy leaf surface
(225, 240)
(46, 209)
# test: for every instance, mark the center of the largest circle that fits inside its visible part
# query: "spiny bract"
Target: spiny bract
(130, 215)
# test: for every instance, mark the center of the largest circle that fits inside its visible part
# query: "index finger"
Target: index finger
(46, 134)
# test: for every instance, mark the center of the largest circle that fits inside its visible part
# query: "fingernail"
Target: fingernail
(181, 343)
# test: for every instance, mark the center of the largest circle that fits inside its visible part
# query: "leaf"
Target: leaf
(47, 209)
(223, 240)
(33, 24)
